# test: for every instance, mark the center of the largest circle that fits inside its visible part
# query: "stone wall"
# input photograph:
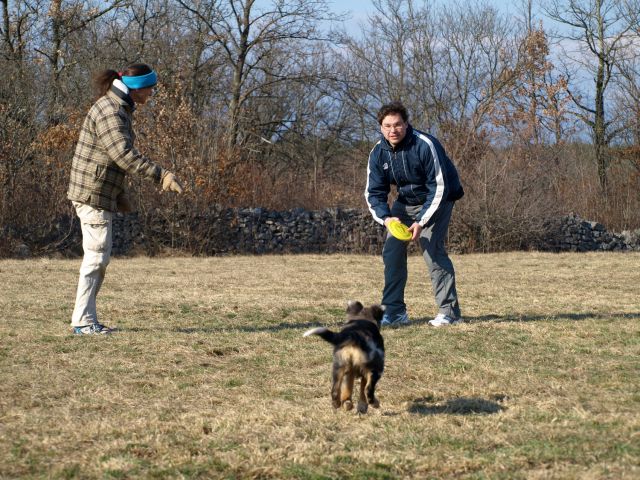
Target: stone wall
(260, 231)
(251, 231)
(573, 234)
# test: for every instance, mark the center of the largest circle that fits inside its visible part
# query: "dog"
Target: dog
(358, 353)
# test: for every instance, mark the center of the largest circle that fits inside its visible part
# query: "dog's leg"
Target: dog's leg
(362, 401)
(347, 389)
(338, 374)
(372, 380)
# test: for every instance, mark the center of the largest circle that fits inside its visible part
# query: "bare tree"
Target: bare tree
(248, 33)
(628, 101)
(63, 19)
(313, 144)
(479, 56)
(16, 28)
(596, 37)
(448, 65)
(395, 58)
(18, 104)
(536, 110)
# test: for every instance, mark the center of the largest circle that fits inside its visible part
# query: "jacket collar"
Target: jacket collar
(121, 92)
(406, 141)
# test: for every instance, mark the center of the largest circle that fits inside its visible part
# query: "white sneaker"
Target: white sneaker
(443, 320)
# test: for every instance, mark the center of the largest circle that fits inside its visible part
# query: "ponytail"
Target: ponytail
(102, 81)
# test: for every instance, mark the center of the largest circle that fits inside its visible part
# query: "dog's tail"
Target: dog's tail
(323, 333)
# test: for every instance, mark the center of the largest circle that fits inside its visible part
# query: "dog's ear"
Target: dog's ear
(354, 307)
(377, 311)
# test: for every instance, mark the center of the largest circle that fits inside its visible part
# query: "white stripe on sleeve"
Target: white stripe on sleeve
(366, 189)
(437, 199)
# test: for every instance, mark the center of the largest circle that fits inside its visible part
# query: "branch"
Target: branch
(580, 105)
(217, 36)
(91, 18)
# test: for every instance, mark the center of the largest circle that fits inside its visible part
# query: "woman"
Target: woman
(103, 156)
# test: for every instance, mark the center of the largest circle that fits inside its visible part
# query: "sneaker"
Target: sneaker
(443, 320)
(93, 329)
(399, 319)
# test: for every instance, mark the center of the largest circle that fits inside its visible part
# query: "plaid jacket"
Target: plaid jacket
(105, 154)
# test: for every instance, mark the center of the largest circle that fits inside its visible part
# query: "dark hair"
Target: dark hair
(103, 79)
(392, 109)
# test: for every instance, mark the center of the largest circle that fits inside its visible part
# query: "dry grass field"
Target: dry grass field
(209, 377)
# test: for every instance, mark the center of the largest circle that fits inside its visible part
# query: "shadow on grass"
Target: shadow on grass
(556, 317)
(230, 326)
(536, 318)
(252, 329)
(457, 406)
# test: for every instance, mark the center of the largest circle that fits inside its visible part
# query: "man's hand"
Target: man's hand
(415, 230)
(390, 219)
(170, 182)
(123, 204)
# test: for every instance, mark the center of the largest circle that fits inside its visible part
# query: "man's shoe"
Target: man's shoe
(93, 329)
(395, 320)
(443, 320)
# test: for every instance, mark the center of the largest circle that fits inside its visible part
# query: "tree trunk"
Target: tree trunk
(238, 76)
(55, 12)
(599, 126)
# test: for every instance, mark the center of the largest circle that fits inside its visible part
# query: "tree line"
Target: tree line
(272, 103)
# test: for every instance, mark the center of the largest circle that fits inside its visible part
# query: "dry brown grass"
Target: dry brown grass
(209, 376)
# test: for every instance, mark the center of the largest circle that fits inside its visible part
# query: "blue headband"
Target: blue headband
(140, 81)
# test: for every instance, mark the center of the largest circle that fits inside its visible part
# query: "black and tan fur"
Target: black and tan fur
(358, 353)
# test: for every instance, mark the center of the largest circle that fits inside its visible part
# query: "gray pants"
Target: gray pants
(432, 245)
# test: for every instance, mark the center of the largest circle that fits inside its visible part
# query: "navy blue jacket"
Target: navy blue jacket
(420, 169)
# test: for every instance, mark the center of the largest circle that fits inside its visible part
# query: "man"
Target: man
(428, 185)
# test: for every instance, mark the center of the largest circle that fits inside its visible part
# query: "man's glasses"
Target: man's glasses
(395, 126)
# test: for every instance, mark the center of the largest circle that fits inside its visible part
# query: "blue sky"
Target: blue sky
(359, 9)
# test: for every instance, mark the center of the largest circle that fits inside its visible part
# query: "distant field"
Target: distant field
(209, 376)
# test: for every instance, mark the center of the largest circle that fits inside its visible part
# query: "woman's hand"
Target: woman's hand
(170, 183)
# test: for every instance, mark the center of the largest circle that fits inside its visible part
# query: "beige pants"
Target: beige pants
(97, 228)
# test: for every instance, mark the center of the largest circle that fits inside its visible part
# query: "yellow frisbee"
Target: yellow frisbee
(399, 230)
